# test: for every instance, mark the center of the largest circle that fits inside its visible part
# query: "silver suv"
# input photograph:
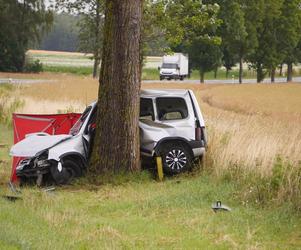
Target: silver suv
(171, 126)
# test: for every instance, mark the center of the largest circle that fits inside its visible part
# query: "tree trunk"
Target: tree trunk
(116, 143)
(97, 42)
(281, 69)
(227, 73)
(202, 76)
(289, 72)
(240, 70)
(96, 66)
(260, 74)
(273, 73)
(215, 73)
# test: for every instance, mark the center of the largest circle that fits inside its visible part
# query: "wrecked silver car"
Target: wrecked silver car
(171, 126)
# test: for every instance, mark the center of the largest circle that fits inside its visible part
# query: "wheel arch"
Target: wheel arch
(75, 156)
(166, 140)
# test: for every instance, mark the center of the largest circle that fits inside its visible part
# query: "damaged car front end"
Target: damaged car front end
(55, 158)
(35, 168)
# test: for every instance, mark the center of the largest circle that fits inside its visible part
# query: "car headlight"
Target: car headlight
(19, 167)
(23, 163)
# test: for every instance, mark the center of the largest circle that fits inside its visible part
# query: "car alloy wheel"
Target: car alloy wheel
(176, 159)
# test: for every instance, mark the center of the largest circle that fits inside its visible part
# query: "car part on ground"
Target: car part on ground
(218, 206)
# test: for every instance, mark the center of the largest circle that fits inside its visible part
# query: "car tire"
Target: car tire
(176, 158)
(65, 174)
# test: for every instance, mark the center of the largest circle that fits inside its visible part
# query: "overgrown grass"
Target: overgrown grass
(8, 103)
(147, 215)
(6, 140)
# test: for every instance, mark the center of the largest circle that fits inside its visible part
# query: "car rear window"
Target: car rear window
(171, 108)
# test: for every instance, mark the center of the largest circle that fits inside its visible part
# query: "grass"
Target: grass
(152, 73)
(149, 215)
(85, 71)
(252, 164)
(8, 103)
(81, 64)
(6, 140)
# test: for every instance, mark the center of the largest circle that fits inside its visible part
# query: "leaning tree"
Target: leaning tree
(116, 143)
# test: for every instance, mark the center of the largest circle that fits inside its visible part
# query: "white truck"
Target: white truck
(174, 66)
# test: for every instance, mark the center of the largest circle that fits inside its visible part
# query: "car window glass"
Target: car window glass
(146, 109)
(77, 126)
(169, 66)
(92, 120)
(171, 108)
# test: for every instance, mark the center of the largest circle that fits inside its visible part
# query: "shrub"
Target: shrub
(33, 66)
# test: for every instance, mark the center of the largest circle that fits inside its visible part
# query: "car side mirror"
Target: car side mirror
(159, 68)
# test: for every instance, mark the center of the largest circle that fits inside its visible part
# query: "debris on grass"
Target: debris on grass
(218, 206)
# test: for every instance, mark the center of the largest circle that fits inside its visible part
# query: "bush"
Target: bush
(33, 67)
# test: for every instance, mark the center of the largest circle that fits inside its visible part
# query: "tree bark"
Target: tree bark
(116, 143)
(202, 76)
(289, 72)
(240, 70)
(96, 66)
(273, 73)
(97, 51)
(215, 73)
(281, 69)
(259, 73)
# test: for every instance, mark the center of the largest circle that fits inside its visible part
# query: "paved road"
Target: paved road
(24, 81)
(228, 81)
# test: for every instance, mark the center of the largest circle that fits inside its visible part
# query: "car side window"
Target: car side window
(171, 108)
(146, 109)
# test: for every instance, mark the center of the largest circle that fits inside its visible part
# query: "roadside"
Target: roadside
(221, 81)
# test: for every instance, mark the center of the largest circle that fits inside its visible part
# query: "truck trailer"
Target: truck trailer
(174, 66)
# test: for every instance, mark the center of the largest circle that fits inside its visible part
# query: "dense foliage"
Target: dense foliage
(63, 35)
(265, 34)
(21, 22)
(90, 25)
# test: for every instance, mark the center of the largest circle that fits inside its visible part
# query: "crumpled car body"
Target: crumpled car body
(170, 120)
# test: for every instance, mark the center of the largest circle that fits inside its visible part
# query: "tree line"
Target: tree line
(21, 23)
(263, 33)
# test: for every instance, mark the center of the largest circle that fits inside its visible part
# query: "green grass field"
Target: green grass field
(144, 215)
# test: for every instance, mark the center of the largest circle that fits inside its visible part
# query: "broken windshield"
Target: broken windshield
(77, 126)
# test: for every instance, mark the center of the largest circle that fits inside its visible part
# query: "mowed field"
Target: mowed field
(76, 59)
(253, 165)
